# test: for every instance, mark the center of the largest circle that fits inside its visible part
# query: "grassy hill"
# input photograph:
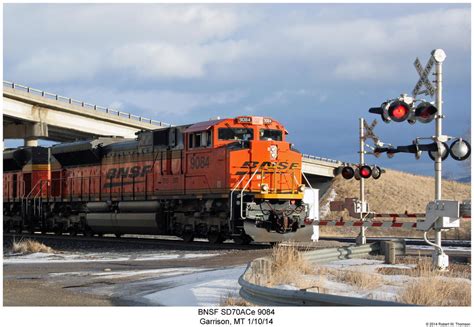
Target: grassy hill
(394, 192)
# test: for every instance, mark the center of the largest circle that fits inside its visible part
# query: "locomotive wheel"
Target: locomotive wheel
(242, 240)
(215, 238)
(188, 237)
(118, 235)
(19, 229)
(6, 228)
(58, 231)
(87, 233)
(73, 232)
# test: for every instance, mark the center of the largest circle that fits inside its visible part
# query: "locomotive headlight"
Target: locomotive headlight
(301, 188)
(264, 188)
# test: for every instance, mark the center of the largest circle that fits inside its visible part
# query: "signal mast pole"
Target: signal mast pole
(361, 239)
(439, 56)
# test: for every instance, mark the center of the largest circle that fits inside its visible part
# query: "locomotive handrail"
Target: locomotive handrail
(26, 198)
(242, 193)
(39, 194)
(231, 215)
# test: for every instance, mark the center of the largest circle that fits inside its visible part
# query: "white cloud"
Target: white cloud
(159, 60)
(220, 42)
(359, 69)
(374, 48)
(157, 104)
(57, 66)
(162, 60)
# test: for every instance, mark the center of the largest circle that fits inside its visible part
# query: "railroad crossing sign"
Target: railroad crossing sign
(369, 131)
(430, 89)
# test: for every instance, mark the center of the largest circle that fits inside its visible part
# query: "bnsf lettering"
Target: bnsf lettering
(294, 165)
(250, 164)
(135, 171)
(199, 162)
(280, 165)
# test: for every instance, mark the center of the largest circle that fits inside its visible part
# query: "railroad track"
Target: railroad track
(135, 241)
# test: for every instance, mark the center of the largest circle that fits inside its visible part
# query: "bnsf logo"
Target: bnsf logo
(280, 165)
(135, 171)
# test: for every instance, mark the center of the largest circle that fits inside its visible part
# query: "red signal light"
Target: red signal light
(347, 172)
(425, 112)
(398, 111)
(365, 171)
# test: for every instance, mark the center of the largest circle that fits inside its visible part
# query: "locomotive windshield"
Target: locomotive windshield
(245, 134)
(270, 135)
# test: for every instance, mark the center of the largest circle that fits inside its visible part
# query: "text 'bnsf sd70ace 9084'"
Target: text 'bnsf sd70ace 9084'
(226, 178)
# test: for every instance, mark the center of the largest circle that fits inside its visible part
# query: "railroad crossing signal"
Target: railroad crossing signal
(459, 150)
(358, 172)
(423, 81)
(403, 108)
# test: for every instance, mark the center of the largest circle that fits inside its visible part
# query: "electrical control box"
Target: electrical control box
(440, 214)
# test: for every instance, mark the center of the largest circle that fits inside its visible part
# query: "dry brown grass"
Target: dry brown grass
(424, 268)
(232, 300)
(359, 279)
(436, 291)
(289, 267)
(397, 192)
(30, 246)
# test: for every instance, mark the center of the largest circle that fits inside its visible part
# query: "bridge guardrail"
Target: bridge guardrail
(259, 269)
(83, 104)
(321, 158)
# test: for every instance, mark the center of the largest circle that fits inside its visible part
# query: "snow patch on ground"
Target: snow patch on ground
(390, 288)
(450, 248)
(206, 288)
(145, 273)
(364, 265)
(89, 257)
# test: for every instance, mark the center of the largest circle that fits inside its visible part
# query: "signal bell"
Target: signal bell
(460, 149)
(442, 149)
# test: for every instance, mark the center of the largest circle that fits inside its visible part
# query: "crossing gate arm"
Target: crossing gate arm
(369, 224)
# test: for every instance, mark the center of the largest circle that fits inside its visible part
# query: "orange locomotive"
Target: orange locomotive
(219, 179)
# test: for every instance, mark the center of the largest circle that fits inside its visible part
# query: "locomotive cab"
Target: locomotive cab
(260, 171)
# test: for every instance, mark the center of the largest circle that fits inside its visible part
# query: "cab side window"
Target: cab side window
(200, 140)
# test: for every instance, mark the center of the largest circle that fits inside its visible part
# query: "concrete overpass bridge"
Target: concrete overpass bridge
(32, 114)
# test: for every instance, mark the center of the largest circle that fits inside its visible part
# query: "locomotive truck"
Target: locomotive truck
(225, 178)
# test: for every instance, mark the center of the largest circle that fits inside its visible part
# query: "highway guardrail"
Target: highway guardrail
(258, 271)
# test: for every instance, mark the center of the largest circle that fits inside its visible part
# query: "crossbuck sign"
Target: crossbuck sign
(430, 89)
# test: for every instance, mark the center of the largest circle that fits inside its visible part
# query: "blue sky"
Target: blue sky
(316, 68)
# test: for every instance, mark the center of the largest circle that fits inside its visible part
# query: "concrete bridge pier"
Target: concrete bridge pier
(29, 132)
